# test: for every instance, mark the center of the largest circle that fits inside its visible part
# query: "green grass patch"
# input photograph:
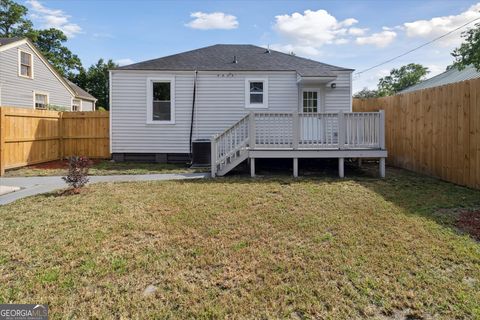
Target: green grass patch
(277, 247)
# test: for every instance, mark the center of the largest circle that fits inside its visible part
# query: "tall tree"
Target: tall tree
(469, 51)
(13, 21)
(95, 80)
(50, 42)
(401, 78)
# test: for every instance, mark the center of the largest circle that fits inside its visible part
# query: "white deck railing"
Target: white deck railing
(300, 131)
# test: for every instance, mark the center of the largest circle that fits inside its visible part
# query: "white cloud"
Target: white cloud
(312, 28)
(357, 31)
(214, 20)
(124, 61)
(438, 26)
(53, 18)
(297, 49)
(379, 39)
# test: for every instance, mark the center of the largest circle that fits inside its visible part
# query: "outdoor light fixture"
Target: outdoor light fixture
(333, 85)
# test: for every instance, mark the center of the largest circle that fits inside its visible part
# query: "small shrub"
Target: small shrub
(77, 172)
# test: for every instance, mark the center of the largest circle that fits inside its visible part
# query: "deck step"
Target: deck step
(233, 162)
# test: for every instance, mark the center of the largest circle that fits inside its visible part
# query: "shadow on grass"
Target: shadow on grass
(415, 193)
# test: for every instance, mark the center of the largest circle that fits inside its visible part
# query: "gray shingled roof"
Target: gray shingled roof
(4, 41)
(79, 92)
(249, 58)
(450, 76)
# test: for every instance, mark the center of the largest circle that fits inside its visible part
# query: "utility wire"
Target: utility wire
(357, 74)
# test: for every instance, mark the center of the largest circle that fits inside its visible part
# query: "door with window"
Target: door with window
(311, 124)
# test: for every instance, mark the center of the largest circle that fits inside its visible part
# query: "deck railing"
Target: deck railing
(300, 131)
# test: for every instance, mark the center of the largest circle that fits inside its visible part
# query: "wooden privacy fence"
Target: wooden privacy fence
(433, 131)
(34, 136)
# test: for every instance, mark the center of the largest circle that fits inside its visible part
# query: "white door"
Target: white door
(310, 122)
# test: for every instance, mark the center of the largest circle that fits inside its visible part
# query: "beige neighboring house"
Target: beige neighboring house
(28, 80)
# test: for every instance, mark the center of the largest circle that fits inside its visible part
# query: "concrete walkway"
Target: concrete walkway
(36, 185)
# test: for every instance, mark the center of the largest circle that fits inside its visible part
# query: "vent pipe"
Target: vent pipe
(235, 59)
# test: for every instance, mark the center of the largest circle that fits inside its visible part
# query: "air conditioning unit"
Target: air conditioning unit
(201, 153)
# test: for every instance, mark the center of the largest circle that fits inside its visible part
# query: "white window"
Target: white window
(160, 101)
(25, 64)
(40, 100)
(311, 101)
(76, 103)
(256, 93)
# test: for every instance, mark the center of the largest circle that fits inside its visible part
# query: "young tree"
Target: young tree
(401, 78)
(469, 51)
(13, 21)
(366, 93)
(95, 80)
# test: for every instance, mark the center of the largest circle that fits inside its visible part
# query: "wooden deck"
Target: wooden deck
(300, 135)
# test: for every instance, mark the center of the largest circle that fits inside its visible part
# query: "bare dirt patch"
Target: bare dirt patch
(469, 222)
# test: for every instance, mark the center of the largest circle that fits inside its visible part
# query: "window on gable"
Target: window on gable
(161, 101)
(256, 93)
(41, 101)
(25, 64)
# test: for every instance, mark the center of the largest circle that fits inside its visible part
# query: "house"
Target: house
(452, 75)
(254, 102)
(27, 80)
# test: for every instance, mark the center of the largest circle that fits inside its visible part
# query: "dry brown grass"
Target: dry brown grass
(242, 248)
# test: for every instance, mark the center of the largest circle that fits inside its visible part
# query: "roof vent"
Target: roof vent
(268, 49)
(235, 59)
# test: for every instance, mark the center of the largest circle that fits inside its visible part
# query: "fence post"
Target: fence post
(213, 156)
(382, 129)
(251, 130)
(61, 148)
(295, 129)
(2, 141)
(341, 130)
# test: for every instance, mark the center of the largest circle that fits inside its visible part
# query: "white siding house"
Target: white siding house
(27, 80)
(250, 102)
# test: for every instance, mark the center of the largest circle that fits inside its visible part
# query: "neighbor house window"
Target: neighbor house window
(161, 105)
(310, 101)
(76, 105)
(41, 100)
(25, 64)
(256, 93)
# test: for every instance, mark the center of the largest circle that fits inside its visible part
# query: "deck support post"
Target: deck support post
(252, 167)
(382, 167)
(213, 157)
(295, 167)
(359, 162)
(341, 169)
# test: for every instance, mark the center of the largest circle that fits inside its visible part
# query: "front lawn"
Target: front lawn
(245, 248)
(100, 168)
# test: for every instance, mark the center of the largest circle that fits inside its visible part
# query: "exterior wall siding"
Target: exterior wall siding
(220, 102)
(18, 91)
(87, 105)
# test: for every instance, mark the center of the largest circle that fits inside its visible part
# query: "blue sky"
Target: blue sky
(355, 34)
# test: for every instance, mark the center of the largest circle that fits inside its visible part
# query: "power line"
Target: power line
(414, 49)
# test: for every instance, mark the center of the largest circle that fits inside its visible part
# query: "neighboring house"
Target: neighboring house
(450, 76)
(27, 80)
(158, 107)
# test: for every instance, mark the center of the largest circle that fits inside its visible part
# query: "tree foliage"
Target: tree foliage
(95, 80)
(50, 42)
(469, 51)
(401, 78)
(13, 21)
(366, 93)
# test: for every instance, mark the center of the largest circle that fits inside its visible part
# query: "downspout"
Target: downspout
(193, 110)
